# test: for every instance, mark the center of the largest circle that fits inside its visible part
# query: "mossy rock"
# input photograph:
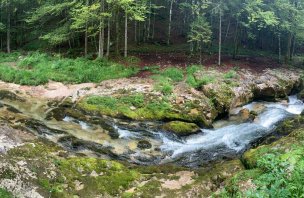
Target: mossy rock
(150, 108)
(181, 128)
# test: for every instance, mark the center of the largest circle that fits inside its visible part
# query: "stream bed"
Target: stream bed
(144, 142)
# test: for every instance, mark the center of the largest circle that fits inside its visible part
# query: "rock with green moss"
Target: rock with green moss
(181, 128)
(147, 107)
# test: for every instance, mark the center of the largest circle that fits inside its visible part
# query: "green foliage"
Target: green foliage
(275, 169)
(191, 80)
(230, 74)
(200, 31)
(12, 57)
(38, 68)
(163, 84)
(174, 74)
(5, 194)
(278, 179)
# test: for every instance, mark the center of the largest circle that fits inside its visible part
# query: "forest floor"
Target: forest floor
(255, 64)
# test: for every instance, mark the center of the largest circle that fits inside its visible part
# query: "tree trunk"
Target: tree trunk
(280, 50)
(220, 40)
(200, 51)
(288, 52)
(293, 47)
(8, 33)
(149, 20)
(170, 21)
(228, 28)
(117, 33)
(86, 36)
(135, 32)
(236, 40)
(109, 37)
(101, 33)
(126, 35)
(153, 26)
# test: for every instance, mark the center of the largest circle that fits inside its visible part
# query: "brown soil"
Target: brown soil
(164, 60)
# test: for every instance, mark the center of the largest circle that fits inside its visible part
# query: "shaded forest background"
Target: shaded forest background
(112, 27)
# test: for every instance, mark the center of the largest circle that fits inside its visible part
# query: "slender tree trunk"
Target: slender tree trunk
(144, 31)
(109, 37)
(86, 36)
(126, 35)
(288, 51)
(236, 40)
(228, 28)
(220, 40)
(135, 32)
(149, 20)
(200, 46)
(293, 47)
(153, 26)
(170, 21)
(8, 36)
(280, 50)
(117, 33)
(101, 33)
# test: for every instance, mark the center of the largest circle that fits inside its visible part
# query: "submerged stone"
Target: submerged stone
(144, 144)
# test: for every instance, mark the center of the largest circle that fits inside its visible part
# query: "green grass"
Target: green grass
(163, 84)
(230, 74)
(195, 82)
(12, 57)
(38, 68)
(174, 74)
(5, 194)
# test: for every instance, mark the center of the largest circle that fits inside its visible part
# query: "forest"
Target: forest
(107, 27)
(151, 98)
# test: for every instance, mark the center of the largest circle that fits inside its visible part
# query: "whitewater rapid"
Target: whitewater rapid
(235, 137)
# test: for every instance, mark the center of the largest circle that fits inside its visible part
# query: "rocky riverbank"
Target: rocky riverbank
(39, 159)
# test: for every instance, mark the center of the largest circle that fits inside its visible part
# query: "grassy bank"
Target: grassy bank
(38, 68)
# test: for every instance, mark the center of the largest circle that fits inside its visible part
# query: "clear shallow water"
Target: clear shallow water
(209, 144)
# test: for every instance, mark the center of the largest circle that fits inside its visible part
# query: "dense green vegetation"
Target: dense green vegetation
(273, 170)
(38, 68)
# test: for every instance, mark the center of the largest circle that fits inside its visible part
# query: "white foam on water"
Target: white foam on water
(123, 133)
(236, 137)
(83, 125)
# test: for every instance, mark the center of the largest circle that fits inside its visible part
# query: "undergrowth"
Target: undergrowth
(38, 68)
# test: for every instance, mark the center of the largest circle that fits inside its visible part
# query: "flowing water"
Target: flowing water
(119, 139)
